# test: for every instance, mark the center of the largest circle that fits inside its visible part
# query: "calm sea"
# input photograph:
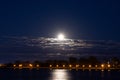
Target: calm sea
(57, 74)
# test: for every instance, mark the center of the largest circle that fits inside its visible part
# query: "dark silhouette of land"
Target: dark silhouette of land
(72, 63)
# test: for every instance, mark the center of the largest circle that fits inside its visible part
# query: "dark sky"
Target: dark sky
(84, 19)
(77, 19)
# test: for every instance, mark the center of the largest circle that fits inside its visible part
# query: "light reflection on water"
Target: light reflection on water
(60, 74)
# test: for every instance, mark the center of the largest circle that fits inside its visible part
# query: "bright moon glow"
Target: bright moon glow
(61, 37)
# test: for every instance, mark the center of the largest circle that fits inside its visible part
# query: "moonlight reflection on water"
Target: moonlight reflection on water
(60, 74)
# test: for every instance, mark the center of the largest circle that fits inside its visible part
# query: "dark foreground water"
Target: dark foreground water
(57, 74)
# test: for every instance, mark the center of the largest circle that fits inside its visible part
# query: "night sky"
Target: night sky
(77, 19)
(82, 19)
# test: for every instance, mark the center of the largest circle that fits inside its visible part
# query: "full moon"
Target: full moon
(61, 37)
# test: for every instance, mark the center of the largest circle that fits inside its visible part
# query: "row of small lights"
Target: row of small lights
(31, 65)
(102, 65)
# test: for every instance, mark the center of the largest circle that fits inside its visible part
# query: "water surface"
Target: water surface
(57, 74)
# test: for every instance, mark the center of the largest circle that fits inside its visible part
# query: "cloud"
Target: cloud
(26, 43)
(50, 47)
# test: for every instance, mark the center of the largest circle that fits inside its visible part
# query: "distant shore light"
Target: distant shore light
(102, 65)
